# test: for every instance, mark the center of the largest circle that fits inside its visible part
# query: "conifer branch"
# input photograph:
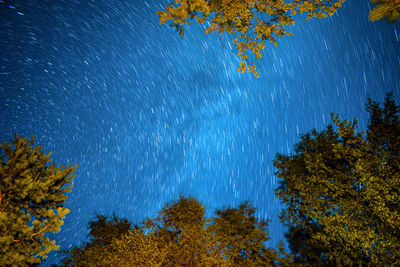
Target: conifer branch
(36, 178)
(44, 228)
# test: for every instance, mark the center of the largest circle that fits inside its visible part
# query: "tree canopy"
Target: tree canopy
(242, 237)
(342, 192)
(251, 22)
(180, 235)
(102, 232)
(32, 197)
(385, 9)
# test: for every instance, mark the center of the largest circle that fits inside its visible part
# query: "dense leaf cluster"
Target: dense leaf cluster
(385, 9)
(179, 236)
(32, 197)
(342, 192)
(253, 22)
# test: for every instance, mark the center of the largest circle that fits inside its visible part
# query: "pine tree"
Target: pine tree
(32, 197)
(342, 192)
(251, 22)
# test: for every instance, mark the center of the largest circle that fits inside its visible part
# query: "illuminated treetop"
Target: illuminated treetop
(252, 22)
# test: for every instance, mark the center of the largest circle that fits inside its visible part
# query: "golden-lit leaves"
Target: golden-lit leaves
(32, 197)
(254, 22)
(385, 9)
(179, 236)
(346, 185)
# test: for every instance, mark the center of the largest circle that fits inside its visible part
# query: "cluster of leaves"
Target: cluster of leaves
(342, 192)
(179, 236)
(254, 22)
(32, 195)
(385, 9)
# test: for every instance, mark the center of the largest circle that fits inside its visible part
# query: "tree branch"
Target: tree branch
(36, 178)
(44, 228)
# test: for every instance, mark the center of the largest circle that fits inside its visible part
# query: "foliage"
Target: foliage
(253, 22)
(32, 197)
(183, 228)
(181, 236)
(342, 192)
(243, 237)
(102, 232)
(385, 9)
(306, 250)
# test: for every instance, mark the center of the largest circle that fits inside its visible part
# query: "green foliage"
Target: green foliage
(179, 236)
(32, 197)
(342, 192)
(385, 9)
(253, 22)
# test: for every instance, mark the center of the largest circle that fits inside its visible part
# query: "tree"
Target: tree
(305, 250)
(385, 9)
(102, 232)
(252, 22)
(178, 236)
(342, 192)
(183, 228)
(32, 197)
(243, 237)
(181, 236)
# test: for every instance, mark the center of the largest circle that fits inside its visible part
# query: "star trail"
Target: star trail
(149, 116)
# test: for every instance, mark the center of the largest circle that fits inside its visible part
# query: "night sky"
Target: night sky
(149, 116)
